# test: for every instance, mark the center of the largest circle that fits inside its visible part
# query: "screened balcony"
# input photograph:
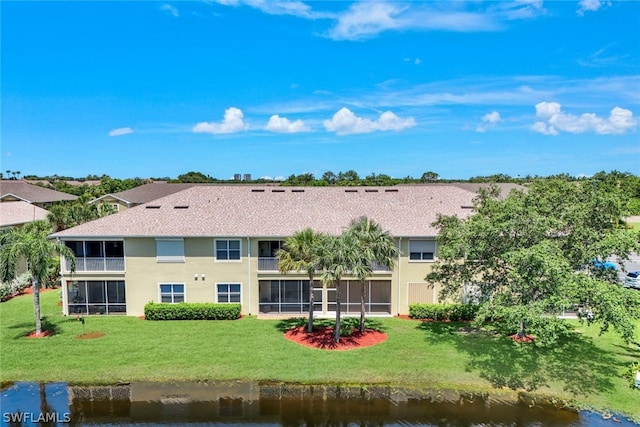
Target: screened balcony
(96, 255)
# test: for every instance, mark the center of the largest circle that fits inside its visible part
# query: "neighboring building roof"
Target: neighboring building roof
(17, 213)
(20, 190)
(145, 193)
(267, 211)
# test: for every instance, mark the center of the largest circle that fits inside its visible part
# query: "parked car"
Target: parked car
(632, 280)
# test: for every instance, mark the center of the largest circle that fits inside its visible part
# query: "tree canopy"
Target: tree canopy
(526, 256)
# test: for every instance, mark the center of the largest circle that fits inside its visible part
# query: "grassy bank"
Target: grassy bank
(586, 368)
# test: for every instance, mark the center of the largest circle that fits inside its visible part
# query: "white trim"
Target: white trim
(228, 239)
(215, 292)
(184, 293)
(169, 258)
(422, 250)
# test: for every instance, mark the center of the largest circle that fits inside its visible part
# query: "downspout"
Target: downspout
(399, 271)
(249, 271)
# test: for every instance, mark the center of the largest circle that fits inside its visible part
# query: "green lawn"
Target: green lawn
(586, 368)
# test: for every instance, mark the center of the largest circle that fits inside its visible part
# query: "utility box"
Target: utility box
(638, 379)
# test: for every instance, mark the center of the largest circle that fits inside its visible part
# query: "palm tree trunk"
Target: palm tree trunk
(311, 301)
(36, 305)
(363, 298)
(336, 335)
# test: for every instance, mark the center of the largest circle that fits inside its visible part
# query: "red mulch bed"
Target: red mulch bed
(322, 338)
(42, 334)
(525, 339)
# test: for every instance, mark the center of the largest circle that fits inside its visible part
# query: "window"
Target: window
(171, 293)
(96, 255)
(228, 292)
(422, 250)
(170, 250)
(227, 250)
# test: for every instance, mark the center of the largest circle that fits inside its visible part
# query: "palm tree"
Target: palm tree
(301, 252)
(338, 255)
(374, 246)
(31, 243)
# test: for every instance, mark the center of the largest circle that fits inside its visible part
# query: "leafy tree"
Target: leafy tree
(330, 177)
(529, 254)
(31, 243)
(349, 177)
(373, 245)
(67, 215)
(429, 177)
(302, 252)
(195, 177)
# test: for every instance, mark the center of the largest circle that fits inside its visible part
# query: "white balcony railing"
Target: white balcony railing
(96, 264)
(267, 264)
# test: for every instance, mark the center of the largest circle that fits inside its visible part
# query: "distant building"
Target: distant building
(237, 177)
(15, 190)
(247, 177)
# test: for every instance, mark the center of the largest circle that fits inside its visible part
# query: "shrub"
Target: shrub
(191, 311)
(14, 287)
(440, 312)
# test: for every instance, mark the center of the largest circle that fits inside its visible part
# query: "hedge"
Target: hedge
(191, 311)
(440, 312)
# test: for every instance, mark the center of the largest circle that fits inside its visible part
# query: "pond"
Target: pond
(252, 403)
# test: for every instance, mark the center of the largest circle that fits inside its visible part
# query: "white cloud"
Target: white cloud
(552, 120)
(271, 7)
(284, 125)
(170, 10)
(489, 120)
(233, 122)
(345, 122)
(120, 131)
(588, 6)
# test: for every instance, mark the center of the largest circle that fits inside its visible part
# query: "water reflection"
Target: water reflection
(233, 403)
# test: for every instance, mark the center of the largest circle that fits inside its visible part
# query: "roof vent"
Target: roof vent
(257, 190)
(299, 190)
(277, 191)
(181, 207)
(391, 190)
(349, 190)
(152, 206)
(467, 206)
(370, 190)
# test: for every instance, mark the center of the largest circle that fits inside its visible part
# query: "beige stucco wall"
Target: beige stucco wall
(200, 272)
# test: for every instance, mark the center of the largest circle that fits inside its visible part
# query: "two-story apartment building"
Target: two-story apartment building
(217, 244)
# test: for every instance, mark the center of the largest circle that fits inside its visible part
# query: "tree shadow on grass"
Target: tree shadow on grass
(575, 361)
(347, 324)
(25, 328)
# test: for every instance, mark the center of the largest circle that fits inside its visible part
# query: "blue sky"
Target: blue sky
(155, 89)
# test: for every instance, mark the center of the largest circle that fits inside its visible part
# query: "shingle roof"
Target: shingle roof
(31, 193)
(263, 211)
(16, 213)
(504, 187)
(147, 192)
